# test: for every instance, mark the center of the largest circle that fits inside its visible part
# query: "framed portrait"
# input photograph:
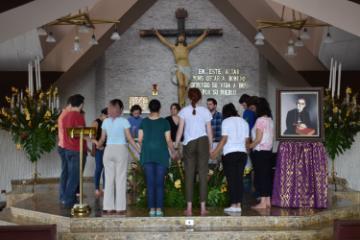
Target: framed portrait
(299, 114)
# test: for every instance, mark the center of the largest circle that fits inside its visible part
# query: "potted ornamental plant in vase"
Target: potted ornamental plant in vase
(342, 123)
(31, 119)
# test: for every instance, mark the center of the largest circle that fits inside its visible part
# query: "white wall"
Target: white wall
(348, 165)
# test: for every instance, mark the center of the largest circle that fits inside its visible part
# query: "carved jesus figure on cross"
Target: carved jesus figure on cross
(182, 69)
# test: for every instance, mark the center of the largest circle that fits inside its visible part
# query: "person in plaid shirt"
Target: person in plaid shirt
(217, 119)
(215, 123)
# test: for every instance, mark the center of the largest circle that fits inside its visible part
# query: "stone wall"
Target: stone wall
(131, 65)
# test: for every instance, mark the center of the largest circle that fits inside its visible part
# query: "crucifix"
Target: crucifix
(181, 72)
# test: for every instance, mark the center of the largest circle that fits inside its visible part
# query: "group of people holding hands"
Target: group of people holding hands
(194, 134)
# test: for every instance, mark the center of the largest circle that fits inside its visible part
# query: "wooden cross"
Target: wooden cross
(181, 14)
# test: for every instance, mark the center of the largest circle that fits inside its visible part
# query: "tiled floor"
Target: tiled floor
(46, 200)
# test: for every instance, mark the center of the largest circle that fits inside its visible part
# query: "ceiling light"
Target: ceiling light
(290, 49)
(84, 28)
(259, 42)
(299, 42)
(93, 40)
(304, 34)
(50, 38)
(328, 38)
(115, 36)
(77, 44)
(259, 35)
(41, 31)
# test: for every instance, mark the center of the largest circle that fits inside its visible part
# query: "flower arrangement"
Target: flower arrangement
(175, 186)
(31, 120)
(341, 122)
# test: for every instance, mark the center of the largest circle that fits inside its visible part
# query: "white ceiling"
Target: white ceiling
(16, 53)
(345, 48)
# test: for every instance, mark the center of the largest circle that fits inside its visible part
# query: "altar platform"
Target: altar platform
(42, 207)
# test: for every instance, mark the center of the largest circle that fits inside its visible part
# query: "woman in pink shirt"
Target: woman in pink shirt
(262, 136)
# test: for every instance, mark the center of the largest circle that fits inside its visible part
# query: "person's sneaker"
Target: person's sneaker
(159, 213)
(152, 213)
(232, 209)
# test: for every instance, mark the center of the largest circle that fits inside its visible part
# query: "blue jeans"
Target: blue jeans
(155, 175)
(72, 165)
(99, 166)
(64, 171)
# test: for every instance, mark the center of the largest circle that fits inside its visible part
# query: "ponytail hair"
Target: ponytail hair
(194, 95)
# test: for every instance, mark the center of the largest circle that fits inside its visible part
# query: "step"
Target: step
(322, 234)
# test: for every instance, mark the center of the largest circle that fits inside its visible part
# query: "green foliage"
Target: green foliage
(175, 186)
(31, 121)
(216, 197)
(341, 121)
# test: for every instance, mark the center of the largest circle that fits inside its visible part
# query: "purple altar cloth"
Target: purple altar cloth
(300, 175)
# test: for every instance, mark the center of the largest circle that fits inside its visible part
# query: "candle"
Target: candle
(333, 86)
(12, 102)
(35, 74)
(34, 65)
(31, 86)
(330, 73)
(57, 102)
(39, 73)
(339, 82)
(52, 105)
(29, 71)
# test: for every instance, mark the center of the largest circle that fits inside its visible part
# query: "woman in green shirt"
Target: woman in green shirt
(155, 141)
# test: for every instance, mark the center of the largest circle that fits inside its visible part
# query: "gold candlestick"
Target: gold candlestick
(82, 209)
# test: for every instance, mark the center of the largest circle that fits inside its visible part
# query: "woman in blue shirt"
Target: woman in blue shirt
(115, 129)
